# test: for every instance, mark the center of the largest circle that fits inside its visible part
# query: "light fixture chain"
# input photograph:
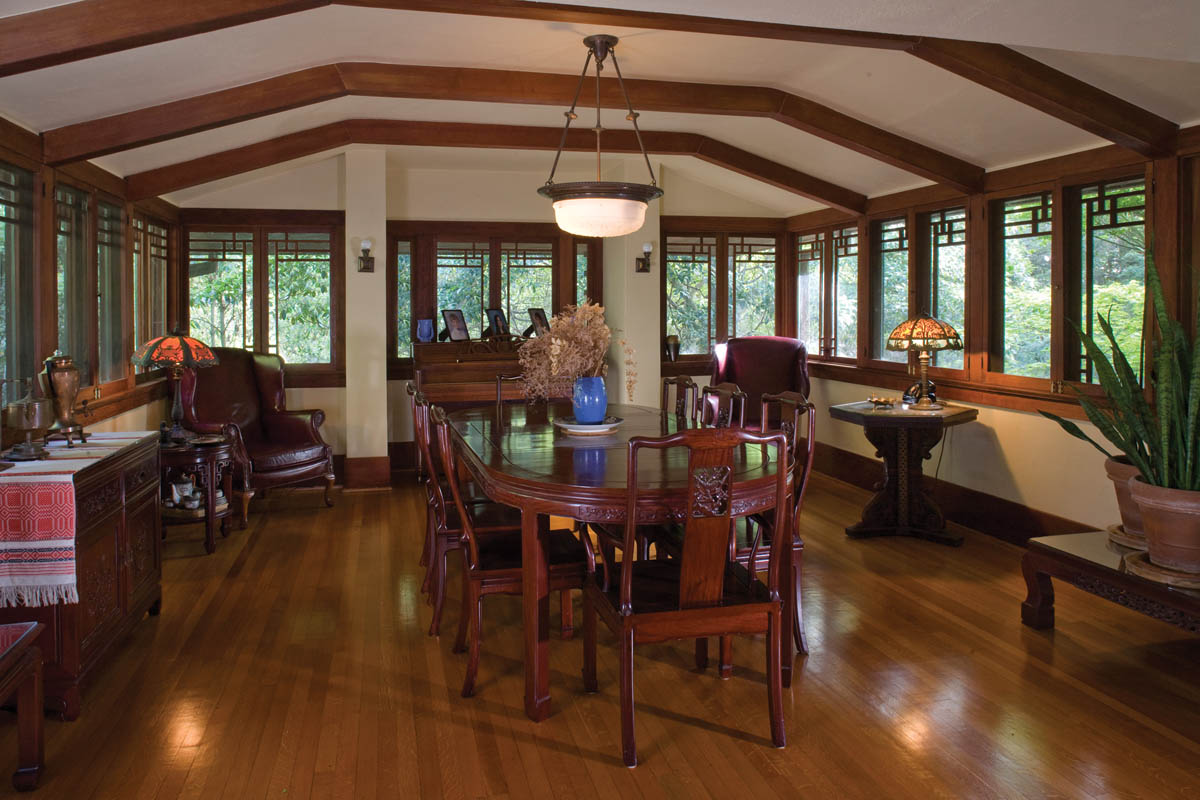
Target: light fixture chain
(570, 116)
(599, 128)
(633, 117)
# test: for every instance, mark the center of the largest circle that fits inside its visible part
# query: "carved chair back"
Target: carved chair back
(433, 483)
(410, 387)
(722, 405)
(685, 396)
(794, 413)
(448, 442)
(704, 554)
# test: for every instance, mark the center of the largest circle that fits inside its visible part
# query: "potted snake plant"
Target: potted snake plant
(1160, 440)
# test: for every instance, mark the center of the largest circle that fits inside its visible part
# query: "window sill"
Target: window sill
(694, 365)
(117, 403)
(314, 376)
(951, 389)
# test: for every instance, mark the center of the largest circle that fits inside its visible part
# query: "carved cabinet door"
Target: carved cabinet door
(98, 559)
(144, 547)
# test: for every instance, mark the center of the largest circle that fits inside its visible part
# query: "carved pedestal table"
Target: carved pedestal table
(518, 458)
(903, 438)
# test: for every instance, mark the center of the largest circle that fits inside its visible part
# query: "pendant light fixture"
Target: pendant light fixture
(599, 207)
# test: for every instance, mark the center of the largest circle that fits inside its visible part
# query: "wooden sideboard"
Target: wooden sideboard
(118, 558)
(464, 373)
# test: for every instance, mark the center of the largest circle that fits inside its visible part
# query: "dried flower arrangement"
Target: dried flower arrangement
(576, 346)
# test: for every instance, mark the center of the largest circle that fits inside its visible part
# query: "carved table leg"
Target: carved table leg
(901, 507)
(227, 488)
(29, 723)
(210, 473)
(1038, 609)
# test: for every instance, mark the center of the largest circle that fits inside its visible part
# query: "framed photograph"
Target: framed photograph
(456, 325)
(497, 324)
(540, 324)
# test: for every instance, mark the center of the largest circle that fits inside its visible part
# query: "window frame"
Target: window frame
(260, 223)
(423, 236)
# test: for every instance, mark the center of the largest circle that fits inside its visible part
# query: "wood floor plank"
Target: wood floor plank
(294, 663)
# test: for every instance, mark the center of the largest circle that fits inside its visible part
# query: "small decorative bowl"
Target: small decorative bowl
(883, 402)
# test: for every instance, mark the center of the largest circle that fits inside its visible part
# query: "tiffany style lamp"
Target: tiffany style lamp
(924, 334)
(175, 352)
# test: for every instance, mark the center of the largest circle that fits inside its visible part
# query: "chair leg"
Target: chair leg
(798, 608)
(702, 654)
(460, 641)
(643, 548)
(245, 497)
(567, 614)
(427, 552)
(476, 611)
(775, 678)
(628, 745)
(725, 665)
(610, 561)
(438, 589)
(329, 490)
(589, 642)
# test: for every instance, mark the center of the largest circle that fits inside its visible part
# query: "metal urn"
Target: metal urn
(60, 379)
(30, 415)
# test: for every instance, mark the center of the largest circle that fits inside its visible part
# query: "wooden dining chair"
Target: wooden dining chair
(492, 563)
(701, 593)
(685, 396)
(444, 521)
(722, 405)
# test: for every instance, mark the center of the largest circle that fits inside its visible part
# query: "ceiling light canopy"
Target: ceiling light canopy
(600, 208)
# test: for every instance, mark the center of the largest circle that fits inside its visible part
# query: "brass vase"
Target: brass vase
(60, 379)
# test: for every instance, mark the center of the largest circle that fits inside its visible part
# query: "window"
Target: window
(526, 278)
(810, 253)
(17, 358)
(582, 256)
(273, 287)
(691, 276)
(1111, 275)
(221, 288)
(462, 281)
(71, 278)
(751, 285)
(299, 273)
(149, 247)
(947, 249)
(403, 297)
(1022, 262)
(845, 292)
(891, 284)
(110, 292)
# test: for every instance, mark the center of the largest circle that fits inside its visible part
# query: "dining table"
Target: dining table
(519, 457)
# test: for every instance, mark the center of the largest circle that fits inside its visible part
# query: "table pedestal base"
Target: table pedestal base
(900, 506)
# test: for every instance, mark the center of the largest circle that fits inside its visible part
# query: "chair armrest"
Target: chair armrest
(233, 434)
(298, 426)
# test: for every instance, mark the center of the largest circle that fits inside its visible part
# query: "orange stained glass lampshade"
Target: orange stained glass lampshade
(923, 332)
(174, 350)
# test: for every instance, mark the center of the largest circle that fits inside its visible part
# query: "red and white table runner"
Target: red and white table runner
(37, 521)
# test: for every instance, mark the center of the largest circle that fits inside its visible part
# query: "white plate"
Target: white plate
(573, 428)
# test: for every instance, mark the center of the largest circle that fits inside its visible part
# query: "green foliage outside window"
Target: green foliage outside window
(462, 281)
(948, 277)
(298, 284)
(751, 286)
(1027, 252)
(17, 358)
(691, 285)
(527, 278)
(810, 250)
(891, 242)
(845, 294)
(221, 288)
(404, 324)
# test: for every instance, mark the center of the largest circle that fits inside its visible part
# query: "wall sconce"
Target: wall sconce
(643, 264)
(366, 262)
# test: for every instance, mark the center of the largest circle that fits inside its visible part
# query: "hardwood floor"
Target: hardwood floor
(294, 664)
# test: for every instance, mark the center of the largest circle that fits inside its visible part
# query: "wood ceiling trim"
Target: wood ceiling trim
(89, 28)
(1056, 93)
(93, 27)
(509, 137)
(305, 87)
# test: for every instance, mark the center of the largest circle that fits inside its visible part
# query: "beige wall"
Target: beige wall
(142, 418)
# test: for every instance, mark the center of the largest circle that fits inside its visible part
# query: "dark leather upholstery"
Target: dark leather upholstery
(761, 364)
(242, 398)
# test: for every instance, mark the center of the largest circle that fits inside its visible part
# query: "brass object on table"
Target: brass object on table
(29, 414)
(60, 379)
(883, 402)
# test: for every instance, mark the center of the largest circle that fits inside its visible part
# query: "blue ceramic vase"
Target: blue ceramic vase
(424, 330)
(590, 400)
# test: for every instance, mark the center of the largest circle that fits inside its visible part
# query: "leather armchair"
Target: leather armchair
(761, 365)
(242, 398)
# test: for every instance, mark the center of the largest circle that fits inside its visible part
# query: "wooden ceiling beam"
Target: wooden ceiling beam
(157, 123)
(1053, 92)
(456, 134)
(89, 28)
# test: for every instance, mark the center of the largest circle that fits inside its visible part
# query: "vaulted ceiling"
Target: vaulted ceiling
(826, 123)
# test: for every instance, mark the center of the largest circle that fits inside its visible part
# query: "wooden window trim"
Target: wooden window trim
(260, 222)
(424, 235)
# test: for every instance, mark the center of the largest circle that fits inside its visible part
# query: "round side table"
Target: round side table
(211, 466)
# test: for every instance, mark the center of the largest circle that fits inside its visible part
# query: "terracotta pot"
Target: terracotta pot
(1119, 471)
(1171, 520)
